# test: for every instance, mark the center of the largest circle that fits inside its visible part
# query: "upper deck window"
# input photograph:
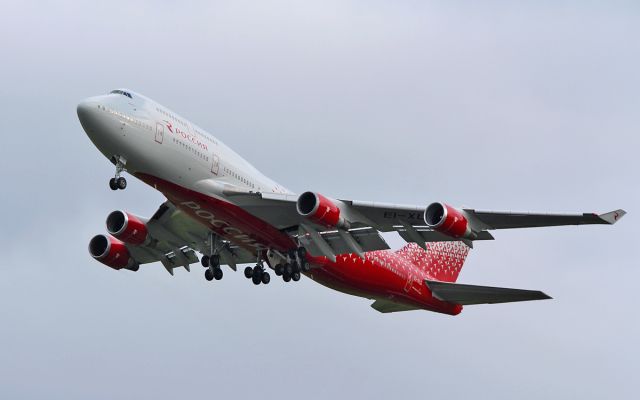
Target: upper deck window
(122, 92)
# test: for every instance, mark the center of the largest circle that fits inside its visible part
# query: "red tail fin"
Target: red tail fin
(441, 260)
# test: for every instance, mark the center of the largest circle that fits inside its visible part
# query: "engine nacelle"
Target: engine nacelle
(110, 251)
(127, 227)
(321, 210)
(448, 220)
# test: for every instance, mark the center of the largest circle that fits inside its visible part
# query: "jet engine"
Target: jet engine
(321, 210)
(127, 227)
(110, 251)
(448, 220)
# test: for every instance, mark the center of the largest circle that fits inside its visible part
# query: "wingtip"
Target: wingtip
(613, 216)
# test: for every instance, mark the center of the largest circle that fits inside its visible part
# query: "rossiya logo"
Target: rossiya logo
(169, 125)
(186, 135)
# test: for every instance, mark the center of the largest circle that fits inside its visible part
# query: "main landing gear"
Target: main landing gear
(118, 182)
(291, 270)
(211, 261)
(212, 265)
(257, 274)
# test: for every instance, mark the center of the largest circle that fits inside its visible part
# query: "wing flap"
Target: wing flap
(424, 235)
(331, 243)
(471, 294)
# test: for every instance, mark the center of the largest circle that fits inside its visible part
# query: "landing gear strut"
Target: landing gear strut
(212, 262)
(212, 265)
(292, 269)
(119, 182)
(301, 254)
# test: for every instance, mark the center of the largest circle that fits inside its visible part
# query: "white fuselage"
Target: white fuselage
(154, 140)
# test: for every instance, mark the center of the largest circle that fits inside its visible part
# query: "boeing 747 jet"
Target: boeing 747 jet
(221, 211)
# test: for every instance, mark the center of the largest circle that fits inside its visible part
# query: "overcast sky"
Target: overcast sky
(492, 106)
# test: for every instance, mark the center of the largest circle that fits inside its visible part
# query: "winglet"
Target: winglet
(613, 216)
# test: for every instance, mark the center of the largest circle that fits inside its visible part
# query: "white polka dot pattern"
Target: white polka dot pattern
(441, 260)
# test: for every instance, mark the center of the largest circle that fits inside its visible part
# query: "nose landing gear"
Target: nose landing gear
(118, 182)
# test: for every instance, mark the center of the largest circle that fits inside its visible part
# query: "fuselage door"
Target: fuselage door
(159, 132)
(215, 166)
(407, 286)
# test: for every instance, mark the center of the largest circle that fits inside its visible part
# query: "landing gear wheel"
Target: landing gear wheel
(248, 272)
(208, 275)
(305, 265)
(257, 272)
(217, 273)
(286, 277)
(288, 269)
(205, 261)
(266, 278)
(296, 276)
(256, 279)
(279, 269)
(214, 260)
(121, 183)
(112, 184)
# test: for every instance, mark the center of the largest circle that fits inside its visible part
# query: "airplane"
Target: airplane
(221, 207)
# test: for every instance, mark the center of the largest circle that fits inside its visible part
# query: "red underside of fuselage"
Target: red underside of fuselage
(381, 275)
(225, 219)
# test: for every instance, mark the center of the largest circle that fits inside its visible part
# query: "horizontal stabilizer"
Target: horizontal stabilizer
(471, 294)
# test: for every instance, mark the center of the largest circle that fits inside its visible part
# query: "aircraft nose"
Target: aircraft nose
(85, 109)
(88, 113)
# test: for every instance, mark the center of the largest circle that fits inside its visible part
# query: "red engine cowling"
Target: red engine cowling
(127, 227)
(448, 220)
(320, 209)
(109, 251)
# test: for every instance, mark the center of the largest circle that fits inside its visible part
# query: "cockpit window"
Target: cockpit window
(122, 93)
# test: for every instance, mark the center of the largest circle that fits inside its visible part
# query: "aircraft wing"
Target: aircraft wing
(387, 217)
(175, 239)
(510, 220)
(280, 211)
(408, 220)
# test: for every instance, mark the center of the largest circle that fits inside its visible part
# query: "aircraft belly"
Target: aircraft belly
(381, 275)
(225, 219)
